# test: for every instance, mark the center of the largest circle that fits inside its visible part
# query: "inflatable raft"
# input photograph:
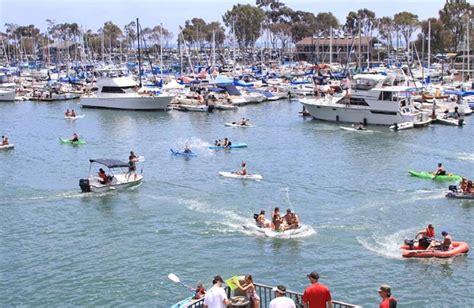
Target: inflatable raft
(7, 147)
(415, 251)
(277, 234)
(428, 175)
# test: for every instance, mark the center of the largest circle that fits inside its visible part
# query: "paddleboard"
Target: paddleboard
(233, 146)
(234, 175)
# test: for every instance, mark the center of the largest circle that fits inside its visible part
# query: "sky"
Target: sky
(91, 14)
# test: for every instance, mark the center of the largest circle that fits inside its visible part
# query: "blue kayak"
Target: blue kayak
(177, 153)
(233, 146)
(182, 304)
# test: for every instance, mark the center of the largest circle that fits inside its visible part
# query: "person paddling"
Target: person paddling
(67, 113)
(75, 137)
(243, 171)
(440, 170)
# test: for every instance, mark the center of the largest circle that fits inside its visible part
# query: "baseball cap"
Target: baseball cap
(313, 275)
(385, 288)
(280, 289)
(444, 233)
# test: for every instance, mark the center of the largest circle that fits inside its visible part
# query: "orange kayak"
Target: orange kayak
(416, 251)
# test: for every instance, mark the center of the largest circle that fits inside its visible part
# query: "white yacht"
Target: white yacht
(7, 95)
(372, 99)
(122, 93)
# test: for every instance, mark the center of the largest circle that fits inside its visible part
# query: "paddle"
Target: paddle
(175, 279)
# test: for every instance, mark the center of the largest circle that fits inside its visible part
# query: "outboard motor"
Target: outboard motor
(85, 185)
(410, 243)
(453, 188)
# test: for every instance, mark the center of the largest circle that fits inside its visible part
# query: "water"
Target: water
(61, 247)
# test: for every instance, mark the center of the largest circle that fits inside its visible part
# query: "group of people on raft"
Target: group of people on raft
(5, 141)
(70, 114)
(426, 239)
(288, 221)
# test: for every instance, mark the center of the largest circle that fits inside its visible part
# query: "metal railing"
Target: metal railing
(266, 295)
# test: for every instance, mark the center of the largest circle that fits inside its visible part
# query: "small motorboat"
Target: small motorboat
(411, 249)
(402, 126)
(119, 176)
(443, 119)
(235, 175)
(7, 147)
(182, 153)
(455, 193)
(198, 108)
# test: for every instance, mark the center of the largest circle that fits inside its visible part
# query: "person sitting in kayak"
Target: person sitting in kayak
(103, 178)
(426, 236)
(243, 122)
(200, 291)
(67, 113)
(277, 220)
(440, 170)
(243, 171)
(73, 113)
(75, 137)
(261, 221)
(187, 149)
(444, 244)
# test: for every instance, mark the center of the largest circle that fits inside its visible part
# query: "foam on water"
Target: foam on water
(466, 156)
(387, 246)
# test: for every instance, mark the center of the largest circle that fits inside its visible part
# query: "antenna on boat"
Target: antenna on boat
(139, 56)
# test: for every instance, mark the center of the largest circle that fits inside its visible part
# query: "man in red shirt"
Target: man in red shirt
(316, 295)
(388, 301)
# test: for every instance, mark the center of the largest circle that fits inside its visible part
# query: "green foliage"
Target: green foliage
(406, 23)
(199, 33)
(453, 17)
(247, 22)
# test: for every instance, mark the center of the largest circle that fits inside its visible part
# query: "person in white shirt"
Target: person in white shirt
(280, 300)
(215, 297)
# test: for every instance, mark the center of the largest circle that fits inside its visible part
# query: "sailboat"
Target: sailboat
(124, 93)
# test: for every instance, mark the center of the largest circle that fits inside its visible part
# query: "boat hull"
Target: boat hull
(7, 95)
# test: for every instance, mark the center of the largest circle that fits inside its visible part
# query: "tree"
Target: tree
(440, 36)
(130, 31)
(247, 21)
(407, 23)
(451, 15)
(111, 33)
(303, 25)
(325, 21)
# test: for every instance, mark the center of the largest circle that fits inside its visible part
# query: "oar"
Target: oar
(175, 279)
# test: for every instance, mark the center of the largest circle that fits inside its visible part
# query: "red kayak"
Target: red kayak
(415, 251)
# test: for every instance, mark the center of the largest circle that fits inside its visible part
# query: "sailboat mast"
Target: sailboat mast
(330, 46)
(139, 56)
(429, 47)
(161, 51)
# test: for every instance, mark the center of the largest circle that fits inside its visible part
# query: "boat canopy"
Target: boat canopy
(110, 163)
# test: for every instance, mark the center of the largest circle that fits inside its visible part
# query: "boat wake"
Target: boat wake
(53, 197)
(196, 144)
(466, 156)
(228, 221)
(387, 246)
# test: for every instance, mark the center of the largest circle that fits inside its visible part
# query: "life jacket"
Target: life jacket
(430, 232)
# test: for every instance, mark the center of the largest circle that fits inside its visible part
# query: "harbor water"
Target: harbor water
(61, 247)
